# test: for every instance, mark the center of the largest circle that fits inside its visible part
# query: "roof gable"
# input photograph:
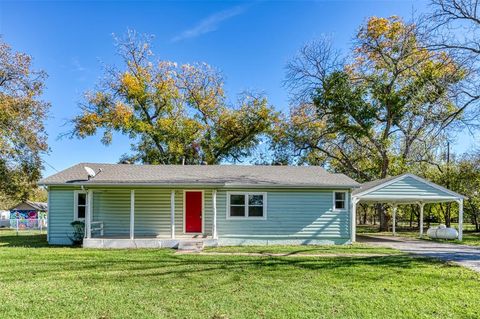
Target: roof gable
(28, 205)
(403, 188)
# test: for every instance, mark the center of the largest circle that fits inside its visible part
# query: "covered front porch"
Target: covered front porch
(150, 218)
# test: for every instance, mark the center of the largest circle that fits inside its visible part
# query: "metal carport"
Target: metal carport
(402, 190)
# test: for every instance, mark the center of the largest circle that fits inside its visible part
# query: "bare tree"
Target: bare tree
(307, 71)
(454, 26)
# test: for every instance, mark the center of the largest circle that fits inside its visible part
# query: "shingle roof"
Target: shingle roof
(38, 205)
(215, 175)
(41, 206)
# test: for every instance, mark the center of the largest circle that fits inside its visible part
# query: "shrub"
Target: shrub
(78, 232)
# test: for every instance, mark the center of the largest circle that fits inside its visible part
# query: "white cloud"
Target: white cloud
(76, 65)
(210, 23)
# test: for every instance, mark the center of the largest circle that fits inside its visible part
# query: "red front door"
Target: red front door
(193, 212)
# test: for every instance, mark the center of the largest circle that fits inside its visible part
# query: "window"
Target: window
(339, 200)
(80, 205)
(246, 205)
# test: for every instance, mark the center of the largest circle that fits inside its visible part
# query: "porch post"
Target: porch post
(132, 214)
(172, 214)
(353, 217)
(460, 219)
(88, 219)
(393, 219)
(214, 199)
(420, 218)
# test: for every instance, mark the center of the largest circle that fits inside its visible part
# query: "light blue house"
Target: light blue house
(127, 206)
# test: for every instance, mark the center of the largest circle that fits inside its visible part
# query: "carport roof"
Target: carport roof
(406, 188)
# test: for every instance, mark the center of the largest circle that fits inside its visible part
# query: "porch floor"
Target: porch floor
(148, 241)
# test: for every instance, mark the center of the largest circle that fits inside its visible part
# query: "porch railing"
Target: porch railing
(97, 227)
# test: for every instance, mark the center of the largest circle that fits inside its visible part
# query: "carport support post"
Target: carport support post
(353, 217)
(460, 219)
(172, 214)
(394, 217)
(132, 214)
(420, 218)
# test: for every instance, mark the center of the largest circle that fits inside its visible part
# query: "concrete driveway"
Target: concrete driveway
(467, 256)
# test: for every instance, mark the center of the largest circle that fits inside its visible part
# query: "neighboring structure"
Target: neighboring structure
(407, 189)
(161, 205)
(28, 214)
(4, 218)
(30, 206)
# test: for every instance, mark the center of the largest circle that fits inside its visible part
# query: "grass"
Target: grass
(356, 248)
(62, 282)
(470, 238)
(31, 239)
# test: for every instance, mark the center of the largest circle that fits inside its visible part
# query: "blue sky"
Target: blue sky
(250, 42)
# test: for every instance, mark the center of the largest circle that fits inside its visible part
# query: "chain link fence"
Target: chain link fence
(19, 225)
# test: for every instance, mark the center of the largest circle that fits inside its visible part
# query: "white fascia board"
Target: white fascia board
(403, 176)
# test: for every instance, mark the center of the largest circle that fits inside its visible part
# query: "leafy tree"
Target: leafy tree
(468, 180)
(175, 113)
(22, 133)
(381, 111)
(462, 175)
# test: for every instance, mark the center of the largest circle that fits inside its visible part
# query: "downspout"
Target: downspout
(48, 213)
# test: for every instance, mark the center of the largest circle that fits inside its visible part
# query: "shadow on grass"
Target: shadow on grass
(113, 265)
(24, 240)
(128, 264)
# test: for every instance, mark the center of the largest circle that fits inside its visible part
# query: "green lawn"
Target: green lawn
(356, 248)
(39, 281)
(470, 238)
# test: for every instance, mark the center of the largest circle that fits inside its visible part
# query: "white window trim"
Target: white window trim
(346, 201)
(246, 217)
(75, 204)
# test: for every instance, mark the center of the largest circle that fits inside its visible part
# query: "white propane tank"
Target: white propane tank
(442, 232)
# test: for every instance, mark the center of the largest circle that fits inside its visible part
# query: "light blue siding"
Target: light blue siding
(293, 216)
(406, 187)
(152, 212)
(112, 207)
(60, 216)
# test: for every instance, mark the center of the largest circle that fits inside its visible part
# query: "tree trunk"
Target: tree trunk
(382, 217)
(448, 217)
(475, 219)
(411, 218)
(446, 214)
(429, 216)
(382, 214)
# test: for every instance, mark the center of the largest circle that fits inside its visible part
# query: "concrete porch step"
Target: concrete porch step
(196, 245)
